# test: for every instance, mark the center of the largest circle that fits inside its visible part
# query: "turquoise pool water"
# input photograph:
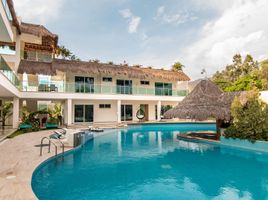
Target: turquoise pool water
(148, 162)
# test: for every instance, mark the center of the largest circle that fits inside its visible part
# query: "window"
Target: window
(8, 49)
(104, 105)
(163, 89)
(164, 108)
(126, 112)
(84, 84)
(83, 113)
(107, 79)
(145, 83)
(124, 86)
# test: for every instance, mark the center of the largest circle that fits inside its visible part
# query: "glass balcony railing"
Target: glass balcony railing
(36, 56)
(7, 11)
(8, 72)
(59, 86)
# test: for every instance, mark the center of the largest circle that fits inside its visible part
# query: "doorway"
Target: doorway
(126, 112)
(145, 109)
(83, 113)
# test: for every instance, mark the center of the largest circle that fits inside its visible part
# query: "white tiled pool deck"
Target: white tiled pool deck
(18, 159)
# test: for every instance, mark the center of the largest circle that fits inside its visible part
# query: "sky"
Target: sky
(198, 33)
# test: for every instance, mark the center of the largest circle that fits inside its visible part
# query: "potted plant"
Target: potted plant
(54, 116)
(25, 120)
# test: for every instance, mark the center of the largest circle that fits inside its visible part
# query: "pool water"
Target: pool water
(149, 162)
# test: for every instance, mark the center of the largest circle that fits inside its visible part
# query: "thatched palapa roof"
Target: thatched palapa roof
(84, 67)
(38, 30)
(206, 100)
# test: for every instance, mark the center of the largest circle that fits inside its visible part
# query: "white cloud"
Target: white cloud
(133, 21)
(38, 11)
(242, 28)
(173, 18)
(126, 13)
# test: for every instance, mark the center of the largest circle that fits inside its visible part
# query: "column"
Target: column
(68, 114)
(118, 111)
(16, 108)
(158, 110)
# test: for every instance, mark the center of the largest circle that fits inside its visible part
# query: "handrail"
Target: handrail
(62, 145)
(49, 144)
(72, 87)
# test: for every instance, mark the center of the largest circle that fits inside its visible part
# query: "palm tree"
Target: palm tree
(6, 111)
(177, 66)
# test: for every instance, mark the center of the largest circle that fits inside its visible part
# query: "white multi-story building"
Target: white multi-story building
(30, 75)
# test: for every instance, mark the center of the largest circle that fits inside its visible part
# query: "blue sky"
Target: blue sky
(198, 33)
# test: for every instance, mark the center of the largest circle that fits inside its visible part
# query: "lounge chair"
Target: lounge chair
(95, 129)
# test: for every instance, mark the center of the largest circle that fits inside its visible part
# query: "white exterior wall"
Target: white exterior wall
(110, 114)
(264, 96)
(70, 77)
(100, 114)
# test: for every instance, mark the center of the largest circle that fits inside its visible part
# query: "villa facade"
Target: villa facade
(31, 75)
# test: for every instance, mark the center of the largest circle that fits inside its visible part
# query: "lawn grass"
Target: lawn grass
(24, 131)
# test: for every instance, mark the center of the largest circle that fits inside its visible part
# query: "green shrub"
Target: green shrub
(250, 120)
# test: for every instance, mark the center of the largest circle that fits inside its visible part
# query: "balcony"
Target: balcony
(61, 87)
(38, 56)
(7, 11)
(8, 72)
(6, 33)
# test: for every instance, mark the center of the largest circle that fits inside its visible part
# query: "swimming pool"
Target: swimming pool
(148, 162)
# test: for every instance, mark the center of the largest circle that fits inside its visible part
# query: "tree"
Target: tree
(263, 73)
(245, 83)
(236, 72)
(250, 120)
(177, 66)
(6, 110)
(66, 53)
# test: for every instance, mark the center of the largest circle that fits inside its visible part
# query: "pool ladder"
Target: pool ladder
(49, 146)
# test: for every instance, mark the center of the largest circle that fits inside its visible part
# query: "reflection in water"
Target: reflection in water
(154, 164)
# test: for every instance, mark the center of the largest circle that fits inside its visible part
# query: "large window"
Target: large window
(163, 89)
(84, 84)
(83, 113)
(126, 112)
(124, 86)
(164, 108)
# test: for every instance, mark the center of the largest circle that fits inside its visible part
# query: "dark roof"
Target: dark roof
(31, 67)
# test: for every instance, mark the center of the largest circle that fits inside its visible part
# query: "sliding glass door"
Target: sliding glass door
(84, 84)
(124, 86)
(83, 113)
(126, 112)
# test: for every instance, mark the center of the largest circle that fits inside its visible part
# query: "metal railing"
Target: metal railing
(36, 56)
(7, 11)
(49, 146)
(8, 72)
(61, 87)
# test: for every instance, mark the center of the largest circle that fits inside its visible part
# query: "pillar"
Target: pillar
(68, 114)
(16, 108)
(158, 110)
(118, 111)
